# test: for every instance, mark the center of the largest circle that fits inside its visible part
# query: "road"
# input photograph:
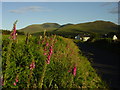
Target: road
(105, 62)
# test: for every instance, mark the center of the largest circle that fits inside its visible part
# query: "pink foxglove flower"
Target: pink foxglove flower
(14, 84)
(49, 56)
(48, 61)
(47, 44)
(74, 70)
(13, 34)
(45, 53)
(32, 65)
(45, 50)
(69, 70)
(16, 80)
(51, 50)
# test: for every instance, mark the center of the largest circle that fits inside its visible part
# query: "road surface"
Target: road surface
(105, 62)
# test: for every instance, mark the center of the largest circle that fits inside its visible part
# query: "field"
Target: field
(46, 62)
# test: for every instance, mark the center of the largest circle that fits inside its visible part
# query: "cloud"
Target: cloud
(29, 9)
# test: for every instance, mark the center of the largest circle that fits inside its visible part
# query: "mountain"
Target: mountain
(40, 27)
(100, 27)
(93, 27)
(66, 25)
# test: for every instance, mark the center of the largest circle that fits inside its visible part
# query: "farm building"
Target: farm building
(114, 38)
(82, 37)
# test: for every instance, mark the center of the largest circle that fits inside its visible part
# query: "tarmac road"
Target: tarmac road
(105, 62)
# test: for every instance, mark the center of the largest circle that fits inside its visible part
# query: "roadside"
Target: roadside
(105, 62)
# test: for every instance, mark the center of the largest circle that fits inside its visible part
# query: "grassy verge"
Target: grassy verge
(46, 62)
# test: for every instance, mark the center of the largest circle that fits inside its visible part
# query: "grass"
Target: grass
(40, 27)
(18, 55)
(71, 30)
(100, 27)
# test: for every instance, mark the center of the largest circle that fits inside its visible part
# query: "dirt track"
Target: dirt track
(105, 62)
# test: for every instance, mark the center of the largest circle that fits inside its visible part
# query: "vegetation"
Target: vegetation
(101, 27)
(40, 27)
(94, 29)
(71, 30)
(7, 32)
(46, 62)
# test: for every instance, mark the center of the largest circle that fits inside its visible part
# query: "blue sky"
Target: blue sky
(0, 15)
(28, 13)
(59, 0)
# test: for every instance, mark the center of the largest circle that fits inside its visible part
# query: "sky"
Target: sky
(60, 0)
(28, 13)
(0, 14)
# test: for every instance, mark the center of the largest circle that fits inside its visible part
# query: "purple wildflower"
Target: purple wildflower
(13, 34)
(49, 56)
(32, 65)
(16, 80)
(47, 44)
(74, 70)
(14, 84)
(45, 53)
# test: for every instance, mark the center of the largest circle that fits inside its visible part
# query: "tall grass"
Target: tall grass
(25, 65)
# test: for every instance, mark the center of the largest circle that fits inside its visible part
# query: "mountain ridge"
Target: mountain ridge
(98, 26)
(39, 27)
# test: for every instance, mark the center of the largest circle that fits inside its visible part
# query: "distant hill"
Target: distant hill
(40, 27)
(66, 25)
(100, 27)
(95, 27)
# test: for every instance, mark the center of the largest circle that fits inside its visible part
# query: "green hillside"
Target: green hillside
(98, 27)
(40, 27)
(93, 27)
